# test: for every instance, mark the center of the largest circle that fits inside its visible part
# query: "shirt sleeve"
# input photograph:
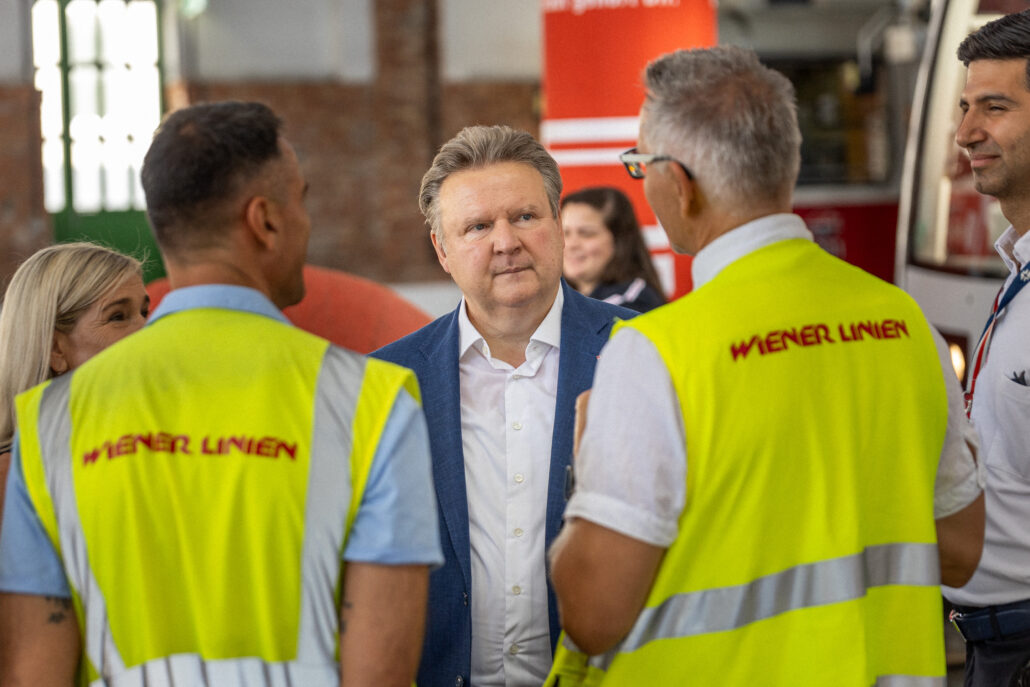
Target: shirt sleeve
(632, 463)
(28, 562)
(960, 476)
(396, 523)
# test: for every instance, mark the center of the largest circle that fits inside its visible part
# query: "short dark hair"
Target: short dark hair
(1005, 38)
(199, 158)
(631, 258)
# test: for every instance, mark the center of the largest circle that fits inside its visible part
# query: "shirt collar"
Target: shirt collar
(745, 239)
(548, 332)
(1013, 248)
(224, 296)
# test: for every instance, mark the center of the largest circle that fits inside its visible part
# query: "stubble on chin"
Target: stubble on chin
(986, 185)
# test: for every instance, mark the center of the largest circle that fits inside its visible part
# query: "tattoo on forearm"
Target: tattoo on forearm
(59, 609)
(347, 605)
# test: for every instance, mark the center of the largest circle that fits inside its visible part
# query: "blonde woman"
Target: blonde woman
(64, 305)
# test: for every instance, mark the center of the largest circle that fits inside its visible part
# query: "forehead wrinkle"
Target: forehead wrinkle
(104, 301)
(121, 301)
(476, 194)
(483, 210)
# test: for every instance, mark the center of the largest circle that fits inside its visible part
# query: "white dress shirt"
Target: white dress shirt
(1001, 413)
(632, 463)
(507, 420)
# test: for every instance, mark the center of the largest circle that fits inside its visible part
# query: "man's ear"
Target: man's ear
(686, 191)
(441, 254)
(261, 220)
(58, 360)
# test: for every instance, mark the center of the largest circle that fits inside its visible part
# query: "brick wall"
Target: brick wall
(24, 225)
(490, 102)
(363, 148)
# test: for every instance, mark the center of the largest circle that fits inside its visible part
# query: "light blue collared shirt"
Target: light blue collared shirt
(225, 296)
(396, 524)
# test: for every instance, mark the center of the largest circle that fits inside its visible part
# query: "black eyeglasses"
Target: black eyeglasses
(636, 163)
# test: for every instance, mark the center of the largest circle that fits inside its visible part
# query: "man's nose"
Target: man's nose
(969, 131)
(506, 237)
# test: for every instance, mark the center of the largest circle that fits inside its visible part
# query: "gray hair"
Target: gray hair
(730, 119)
(478, 146)
(48, 293)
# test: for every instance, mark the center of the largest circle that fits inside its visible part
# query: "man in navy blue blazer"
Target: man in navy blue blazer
(499, 379)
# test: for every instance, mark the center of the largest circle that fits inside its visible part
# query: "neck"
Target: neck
(507, 330)
(725, 222)
(586, 287)
(1017, 212)
(213, 270)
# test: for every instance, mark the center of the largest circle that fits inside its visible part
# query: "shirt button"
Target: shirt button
(519, 478)
(459, 682)
(516, 376)
(518, 531)
(516, 590)
(515, 648)
(516, 425)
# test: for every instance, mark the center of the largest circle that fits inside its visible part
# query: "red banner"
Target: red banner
(594, 54)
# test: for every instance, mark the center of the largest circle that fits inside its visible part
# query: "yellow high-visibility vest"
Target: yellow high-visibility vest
(814, 410)
(200, 496)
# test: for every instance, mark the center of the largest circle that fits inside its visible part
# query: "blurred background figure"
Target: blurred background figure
(64, 305)
(605, 255)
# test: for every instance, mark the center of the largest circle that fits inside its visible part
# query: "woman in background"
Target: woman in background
(64, 305)
(605, 255)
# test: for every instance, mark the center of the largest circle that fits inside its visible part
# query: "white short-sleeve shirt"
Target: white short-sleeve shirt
(632, 463)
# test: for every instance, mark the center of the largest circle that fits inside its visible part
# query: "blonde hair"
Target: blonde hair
(49, 292)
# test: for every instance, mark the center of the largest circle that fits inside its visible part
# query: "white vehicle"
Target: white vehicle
(946, 229)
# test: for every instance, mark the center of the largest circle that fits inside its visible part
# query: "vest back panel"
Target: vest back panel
(198, 487)
(814, 411)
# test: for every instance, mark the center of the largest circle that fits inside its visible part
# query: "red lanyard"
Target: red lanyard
(980, 354)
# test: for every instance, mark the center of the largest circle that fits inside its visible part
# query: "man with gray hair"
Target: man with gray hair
(756, 481)
(499, 378)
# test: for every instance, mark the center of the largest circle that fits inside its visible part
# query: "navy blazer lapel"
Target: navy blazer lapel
(584, 331)
(583, 335)
(441, 400)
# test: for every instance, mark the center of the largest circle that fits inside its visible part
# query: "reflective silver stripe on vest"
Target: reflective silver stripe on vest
(329, 479)
(338, 388)
(190, 669)
(55, 442)
(909, 681)
(813, 584)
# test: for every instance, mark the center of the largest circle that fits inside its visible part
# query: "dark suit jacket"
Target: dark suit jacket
(432, 352)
